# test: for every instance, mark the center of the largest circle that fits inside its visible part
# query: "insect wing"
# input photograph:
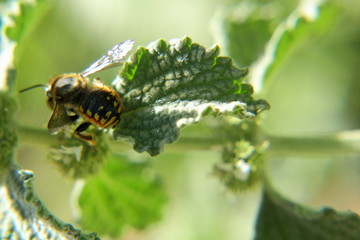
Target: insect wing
(59, 119)
(114, 57)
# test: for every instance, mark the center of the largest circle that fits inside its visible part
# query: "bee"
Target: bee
(72, 96)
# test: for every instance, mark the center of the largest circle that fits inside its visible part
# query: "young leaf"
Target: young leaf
(168, 86)
(121, 194)
(24, 216)
(280, 219)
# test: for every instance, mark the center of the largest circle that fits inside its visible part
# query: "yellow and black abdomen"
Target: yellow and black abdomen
(101, 107)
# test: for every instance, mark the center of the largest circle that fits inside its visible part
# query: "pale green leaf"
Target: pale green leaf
(167, 86)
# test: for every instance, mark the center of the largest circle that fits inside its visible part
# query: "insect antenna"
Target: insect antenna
(29, 88)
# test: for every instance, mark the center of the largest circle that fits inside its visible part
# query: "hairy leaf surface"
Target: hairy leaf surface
(24, 216)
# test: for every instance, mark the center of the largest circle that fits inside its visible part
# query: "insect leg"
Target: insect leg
(81, 128)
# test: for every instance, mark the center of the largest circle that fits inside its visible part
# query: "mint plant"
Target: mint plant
(166, 86)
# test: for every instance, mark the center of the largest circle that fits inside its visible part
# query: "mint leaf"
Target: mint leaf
(167, 86)
(280, 219)
(24, 216)
(121, 194)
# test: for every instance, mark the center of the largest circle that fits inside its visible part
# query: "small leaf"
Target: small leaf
(121, 194)
(24, 216)
(168, 86)
(280, 219)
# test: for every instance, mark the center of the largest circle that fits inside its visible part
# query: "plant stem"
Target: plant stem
(338, 143)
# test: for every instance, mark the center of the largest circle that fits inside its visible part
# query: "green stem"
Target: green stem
(43, 138)
(338, 143)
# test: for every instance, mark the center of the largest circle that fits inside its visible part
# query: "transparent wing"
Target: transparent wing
(114, 57)
(59, 119)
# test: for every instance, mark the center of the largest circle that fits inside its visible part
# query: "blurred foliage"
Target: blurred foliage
(242, 162)
(303, 222)
(312, 87)
(77, 159)
(7, 130)
(249, 22)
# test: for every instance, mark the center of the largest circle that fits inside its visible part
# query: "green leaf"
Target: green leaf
(308, 21)
(24, 216)
(121, 194)
(280, 219)
(168, 86)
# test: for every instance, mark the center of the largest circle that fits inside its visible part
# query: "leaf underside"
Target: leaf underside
(167, 86)
(24, 216)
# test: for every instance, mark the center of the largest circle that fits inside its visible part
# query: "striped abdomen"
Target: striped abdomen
(101, 107)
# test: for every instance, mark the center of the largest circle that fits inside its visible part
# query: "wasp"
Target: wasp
(72, 96)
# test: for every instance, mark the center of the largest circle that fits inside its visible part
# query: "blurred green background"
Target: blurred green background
(314, 91)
